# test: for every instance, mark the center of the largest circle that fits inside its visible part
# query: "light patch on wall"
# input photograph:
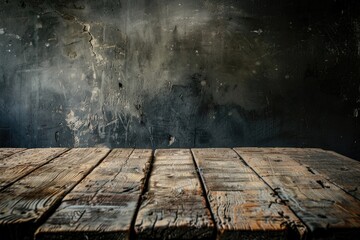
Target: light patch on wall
(171, 140)
(159, 37)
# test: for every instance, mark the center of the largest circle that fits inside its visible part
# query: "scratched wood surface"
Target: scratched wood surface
(328, 211)
(88, 194)
(174, 206)
(103, 204)
(22, 163)
(26, 203)
(340, 170)
(244, 207)
(5, 152)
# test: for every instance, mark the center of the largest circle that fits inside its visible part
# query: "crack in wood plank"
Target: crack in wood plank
(22, 163)
(25, 204)
(174, 206)
(99, 206)
(242, 204)
(327, 211)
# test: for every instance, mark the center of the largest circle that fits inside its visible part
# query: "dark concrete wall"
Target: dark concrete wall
(184, 73)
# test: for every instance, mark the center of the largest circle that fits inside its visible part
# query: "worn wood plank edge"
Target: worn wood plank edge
(325, 176)
(289, 150)
(37, 167)
(148, 171)
(179, 220)
(341, 156)
(341, 187)
(20, 150)
(131, 161)
(328, 211)
(205, 192)
(57, 203)
(335, 183)
(109, 235)
(99, 235)
(301, 235)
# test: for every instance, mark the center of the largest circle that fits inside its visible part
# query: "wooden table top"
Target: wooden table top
(215, 193)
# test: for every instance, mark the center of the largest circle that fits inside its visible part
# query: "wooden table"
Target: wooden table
(241, 193)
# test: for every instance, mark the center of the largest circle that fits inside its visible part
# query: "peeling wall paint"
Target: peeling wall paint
(185, 73)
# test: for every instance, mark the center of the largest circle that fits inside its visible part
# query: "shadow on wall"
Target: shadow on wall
(185, 73)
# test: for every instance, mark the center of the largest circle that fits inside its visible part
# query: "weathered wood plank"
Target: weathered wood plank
(244, 207)
(26, 203)
(22, 163)
(327, 210)
(340, 170)
(174, 206)
(103, 204)
(6, 152)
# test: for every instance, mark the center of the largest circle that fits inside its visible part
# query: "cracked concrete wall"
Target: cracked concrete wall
(185, 73)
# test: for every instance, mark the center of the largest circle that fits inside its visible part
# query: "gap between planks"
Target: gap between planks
(132, 233)
(174, 206)
(104, 203)
(204, 187)
(327, 211)
(26, 204)
(243, 206)
(339, 170)
(19, 164)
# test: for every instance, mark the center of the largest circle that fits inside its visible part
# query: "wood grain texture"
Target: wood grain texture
(22, 163)
(174, 206)
(6, 152)
(340, 170)
(26, 203)
(244, 207)
(327, 211)
(102, 205)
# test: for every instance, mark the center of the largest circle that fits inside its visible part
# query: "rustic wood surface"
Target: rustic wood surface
(340, 170)
(174, 206)
(6, 152)
(26, 203)
(244, 207)
(328, 211)
(103, 203)
(22, 163)
(250, 193)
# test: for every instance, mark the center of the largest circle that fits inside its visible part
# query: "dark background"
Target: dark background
(185, 73)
